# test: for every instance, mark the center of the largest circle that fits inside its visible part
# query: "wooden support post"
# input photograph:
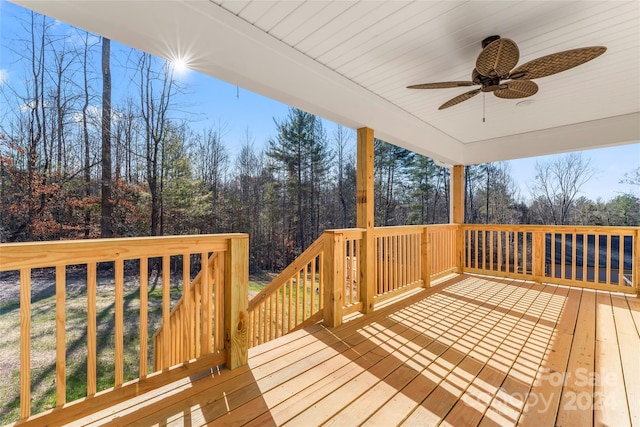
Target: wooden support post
(236, 300)
(635, 268)
(457, 212)
(457, 194)
(425, 253)
(365, 216)
(334, 261)
(538, 256)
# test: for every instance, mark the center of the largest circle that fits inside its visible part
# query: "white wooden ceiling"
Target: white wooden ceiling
(350, 62)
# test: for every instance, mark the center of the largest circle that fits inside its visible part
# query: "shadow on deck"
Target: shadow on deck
(472, 351)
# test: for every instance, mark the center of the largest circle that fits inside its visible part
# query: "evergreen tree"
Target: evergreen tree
(300, 151)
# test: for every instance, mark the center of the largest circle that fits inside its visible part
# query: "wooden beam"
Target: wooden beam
(457, 194)
(365, 215)
(635, 268)
(457, 212)
(236, 300)
(364, 179)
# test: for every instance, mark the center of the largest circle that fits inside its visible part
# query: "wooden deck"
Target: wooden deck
(472, 351)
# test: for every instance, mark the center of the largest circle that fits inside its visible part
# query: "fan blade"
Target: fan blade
(458, 99)
(517, 89)
(498, 58)
(441, 85)
(557, 62)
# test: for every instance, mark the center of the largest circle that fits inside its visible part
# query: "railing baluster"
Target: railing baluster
(269, 322)
(585, 257)
(186, 297)
(207, 307)
(608, 253)
(166, 301)
(313, 285)
(144, 316)
(91, 329)
(563, 254)
(403, 260)
(304, 290)
(574, 253)
(322, 279)
(197, 312)
(621, 260)
(277, 321)
(296, 302)
(597, 259)
(25, 342)
(61, 365)
(119, 322)
(378, 258)
(219, 296)
(500, 260)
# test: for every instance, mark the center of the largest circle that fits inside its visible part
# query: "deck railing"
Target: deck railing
(326, 281)
(196, 322)
(130, 261)
(397, 258)
(214, 323)
(295, 298)
(605, 258)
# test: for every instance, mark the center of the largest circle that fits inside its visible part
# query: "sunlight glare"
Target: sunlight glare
(180, 65)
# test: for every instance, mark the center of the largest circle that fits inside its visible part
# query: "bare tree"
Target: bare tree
(342, 138)
(632, 177)
(557, 183)
(106, 228)
(213, 162)
(156, 91)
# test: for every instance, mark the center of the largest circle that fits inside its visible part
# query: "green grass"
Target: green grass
(43, 369)
(43, 319)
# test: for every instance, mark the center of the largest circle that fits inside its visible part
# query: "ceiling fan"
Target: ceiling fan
(496, 63)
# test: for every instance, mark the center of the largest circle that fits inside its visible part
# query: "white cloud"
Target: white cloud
(4, 77)
(76, 38)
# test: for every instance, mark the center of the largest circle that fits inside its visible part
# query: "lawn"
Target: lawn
(43, 352)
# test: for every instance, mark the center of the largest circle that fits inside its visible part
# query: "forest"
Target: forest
(77, 162)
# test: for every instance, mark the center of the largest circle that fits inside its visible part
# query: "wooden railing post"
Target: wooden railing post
(425, 254)
(334, 260)
(236, 295)
(538, 256)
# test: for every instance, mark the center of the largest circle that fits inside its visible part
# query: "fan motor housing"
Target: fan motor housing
(489, 84)
(489, 40)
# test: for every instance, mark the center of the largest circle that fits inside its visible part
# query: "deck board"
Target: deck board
(577, 393)
(628, 343)
(473, 351)
(609, 397)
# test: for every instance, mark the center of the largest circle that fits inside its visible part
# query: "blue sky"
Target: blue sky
(213, 103)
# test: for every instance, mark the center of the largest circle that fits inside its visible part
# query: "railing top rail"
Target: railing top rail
(397, 230)
(441, 225)
(348, 233)
(303, 259)
(14, 256)
(556, 228)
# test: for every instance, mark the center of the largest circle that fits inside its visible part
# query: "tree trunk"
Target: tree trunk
(106, 229)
